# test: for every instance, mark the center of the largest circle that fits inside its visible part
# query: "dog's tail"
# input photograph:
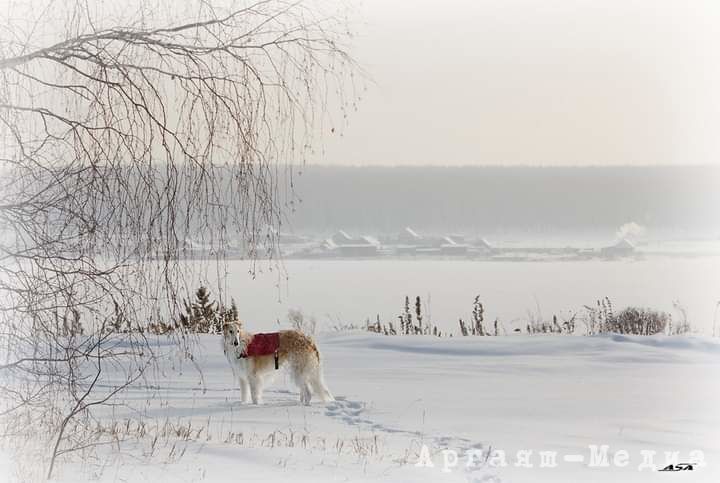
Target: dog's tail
(317, 381)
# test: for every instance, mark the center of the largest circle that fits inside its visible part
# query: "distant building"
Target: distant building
(451, 247)
(622, 248)
(405, 249)
(410, 242)
(343, 245)
(409, 237)
(341, 238)
(482, 245)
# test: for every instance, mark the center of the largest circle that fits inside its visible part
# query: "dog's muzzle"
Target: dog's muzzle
(235, 343)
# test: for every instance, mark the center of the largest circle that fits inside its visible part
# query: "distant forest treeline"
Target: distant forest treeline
(489, 200)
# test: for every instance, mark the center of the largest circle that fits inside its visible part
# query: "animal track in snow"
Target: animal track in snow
(354, 413)
(346, 410)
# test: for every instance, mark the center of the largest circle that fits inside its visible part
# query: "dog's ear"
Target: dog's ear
(233, 324)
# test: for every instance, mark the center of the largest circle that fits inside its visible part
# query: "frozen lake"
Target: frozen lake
(349, 291)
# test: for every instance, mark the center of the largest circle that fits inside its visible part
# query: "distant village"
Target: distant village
(408, 243)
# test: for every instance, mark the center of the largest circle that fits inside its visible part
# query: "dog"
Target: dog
(293, 349)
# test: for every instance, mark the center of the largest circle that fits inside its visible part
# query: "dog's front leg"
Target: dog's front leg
(305, 394)
(236, 376)
(256, 389)
(244, 391)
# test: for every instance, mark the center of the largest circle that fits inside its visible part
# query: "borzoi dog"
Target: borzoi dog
(254, 357)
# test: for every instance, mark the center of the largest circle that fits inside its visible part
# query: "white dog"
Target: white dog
(254, 357)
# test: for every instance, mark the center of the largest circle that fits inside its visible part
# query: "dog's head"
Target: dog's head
(232, 332)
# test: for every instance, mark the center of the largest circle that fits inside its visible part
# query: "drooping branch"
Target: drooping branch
(124, 146)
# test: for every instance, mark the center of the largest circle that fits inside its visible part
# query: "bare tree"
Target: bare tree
(127, 136)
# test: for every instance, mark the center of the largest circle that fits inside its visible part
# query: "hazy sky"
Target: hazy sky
(552, 82)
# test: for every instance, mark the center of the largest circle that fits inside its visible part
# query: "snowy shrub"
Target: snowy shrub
(350, 326)
(683, 325)
(406, 324)
(299, 322)
(478, 322)
(633, 320)
(478, 318)
(538, 326)
(638, 321)
(597, 317)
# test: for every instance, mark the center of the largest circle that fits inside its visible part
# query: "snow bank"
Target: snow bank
(396, 395)
(551, 345)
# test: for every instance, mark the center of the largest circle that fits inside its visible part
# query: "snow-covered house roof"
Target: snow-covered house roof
(408, 236)
(341, 237)
(409, 232)
(448, 241)
(368, 240)
(482, 243)
(625, 244)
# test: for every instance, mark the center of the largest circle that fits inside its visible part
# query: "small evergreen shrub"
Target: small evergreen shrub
(202, 316)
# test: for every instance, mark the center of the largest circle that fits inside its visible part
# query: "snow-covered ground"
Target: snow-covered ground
(395, 394)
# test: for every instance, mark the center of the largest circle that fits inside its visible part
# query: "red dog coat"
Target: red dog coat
(262, 345)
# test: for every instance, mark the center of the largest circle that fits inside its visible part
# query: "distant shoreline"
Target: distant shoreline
(670, 201)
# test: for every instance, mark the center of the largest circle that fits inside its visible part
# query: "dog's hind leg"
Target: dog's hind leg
(312, 376)
(301, 382)
(319, 388)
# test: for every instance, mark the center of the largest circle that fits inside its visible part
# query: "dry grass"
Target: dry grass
(166, 441)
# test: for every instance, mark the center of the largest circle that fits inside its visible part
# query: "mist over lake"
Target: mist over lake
(542, 203)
